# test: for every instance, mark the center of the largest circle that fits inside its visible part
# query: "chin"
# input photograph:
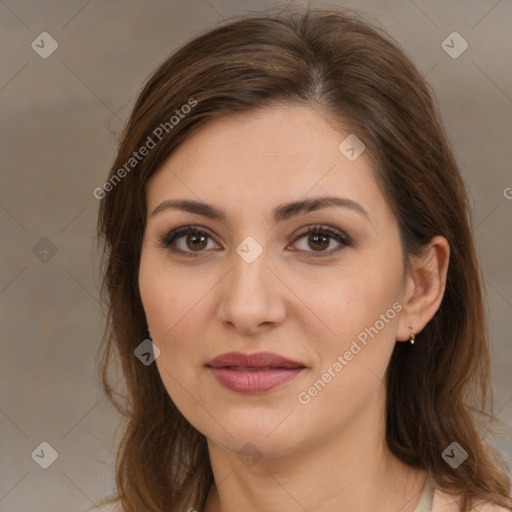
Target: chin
(259, 437)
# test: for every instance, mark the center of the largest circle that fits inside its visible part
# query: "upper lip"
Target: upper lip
(256, 360)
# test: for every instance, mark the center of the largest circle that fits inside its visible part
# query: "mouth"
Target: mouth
(250, 368)
(241, 361)
(254, 373)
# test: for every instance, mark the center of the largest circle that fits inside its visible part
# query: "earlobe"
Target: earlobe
(408, 333)
(424, 289)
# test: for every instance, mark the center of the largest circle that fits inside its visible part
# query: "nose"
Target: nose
(251, 296)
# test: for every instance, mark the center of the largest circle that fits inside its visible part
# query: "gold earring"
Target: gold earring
(412, 338)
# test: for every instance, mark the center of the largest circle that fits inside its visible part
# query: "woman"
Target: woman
(286, 220)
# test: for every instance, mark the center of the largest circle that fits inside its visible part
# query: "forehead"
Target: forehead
(259, 159)
(280, 132)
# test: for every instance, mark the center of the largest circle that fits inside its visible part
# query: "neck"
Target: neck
(351, 470)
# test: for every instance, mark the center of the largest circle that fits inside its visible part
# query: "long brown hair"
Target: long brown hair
(357, 75)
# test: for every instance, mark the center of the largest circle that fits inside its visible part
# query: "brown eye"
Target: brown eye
(186, 240)
(318, 239)
(318, 242)
(196, 241)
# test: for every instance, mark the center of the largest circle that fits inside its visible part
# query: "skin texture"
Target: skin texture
(330, 452)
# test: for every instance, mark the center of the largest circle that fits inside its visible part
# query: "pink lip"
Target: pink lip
(253, 373)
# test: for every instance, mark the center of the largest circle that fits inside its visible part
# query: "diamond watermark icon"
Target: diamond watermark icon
(44, 45)
(45, 455)
(44, 249)
(249, 454)
(147, 352)
(455, 455)
(351, 147)
(454, 45)
(249, 249)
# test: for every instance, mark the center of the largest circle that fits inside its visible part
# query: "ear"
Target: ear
(424, 288)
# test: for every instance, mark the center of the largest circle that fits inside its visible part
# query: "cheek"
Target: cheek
(362, 309)
(363, 314)
(174, 304)
(169, 297)
(169, 308)
(356, 300)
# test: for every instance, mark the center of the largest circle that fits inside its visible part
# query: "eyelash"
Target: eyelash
(167, 239)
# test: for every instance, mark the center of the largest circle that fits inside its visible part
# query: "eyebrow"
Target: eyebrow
(280, 213)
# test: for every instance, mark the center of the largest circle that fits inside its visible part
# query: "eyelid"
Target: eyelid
(333, 233)
(323, 228)
(169, 236)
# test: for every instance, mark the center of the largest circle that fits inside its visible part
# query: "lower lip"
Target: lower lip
(254, 382)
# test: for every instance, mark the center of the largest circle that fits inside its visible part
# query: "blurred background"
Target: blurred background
(69, 74)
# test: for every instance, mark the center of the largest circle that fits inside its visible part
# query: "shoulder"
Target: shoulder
(444, 502)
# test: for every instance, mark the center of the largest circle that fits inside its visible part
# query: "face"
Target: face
(256, 281)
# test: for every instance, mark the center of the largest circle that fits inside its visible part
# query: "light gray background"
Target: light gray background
(59, 126)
